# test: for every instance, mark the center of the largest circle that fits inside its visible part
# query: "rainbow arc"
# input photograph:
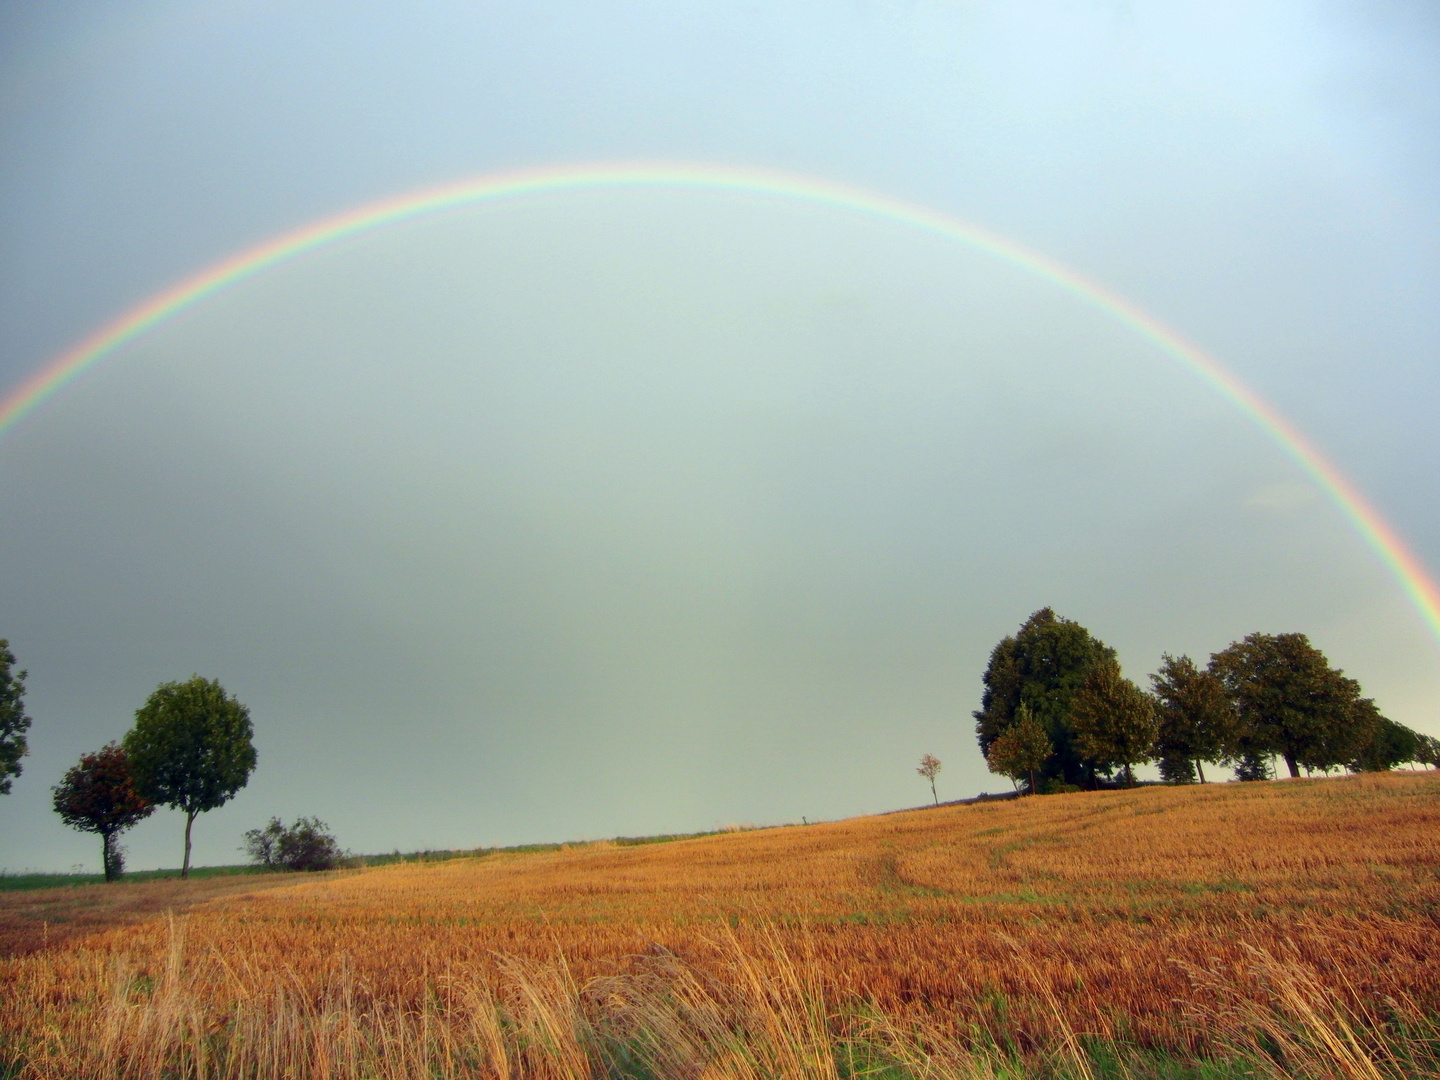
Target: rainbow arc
(110, 339)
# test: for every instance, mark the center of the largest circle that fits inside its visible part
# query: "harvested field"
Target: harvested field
(1151, 918)
(35, 919)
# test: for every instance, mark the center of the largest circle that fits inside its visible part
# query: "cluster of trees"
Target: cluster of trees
(191, 749)
(1057, 713)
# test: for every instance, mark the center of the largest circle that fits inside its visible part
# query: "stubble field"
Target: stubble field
(1249, 925)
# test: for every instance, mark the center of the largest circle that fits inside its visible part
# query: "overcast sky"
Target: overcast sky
(620, 512)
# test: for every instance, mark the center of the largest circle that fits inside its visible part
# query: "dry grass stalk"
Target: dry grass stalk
(1304, 1025)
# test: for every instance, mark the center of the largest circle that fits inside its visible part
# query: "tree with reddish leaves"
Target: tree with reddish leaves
(98, 795)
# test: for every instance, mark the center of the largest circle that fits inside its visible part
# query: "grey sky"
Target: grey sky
(642, 511)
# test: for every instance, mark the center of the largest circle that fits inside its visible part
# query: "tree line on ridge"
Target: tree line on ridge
(1057, 714)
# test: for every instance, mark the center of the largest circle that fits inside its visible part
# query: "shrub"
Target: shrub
(306, 845)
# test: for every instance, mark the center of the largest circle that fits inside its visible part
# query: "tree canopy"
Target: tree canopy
(191, 749)
(1198, 722)
(99, 795)
(1021, 749)
(1042, 667)
(13, 720)
(1114, 721)
(1392, 744)
(1291, 702)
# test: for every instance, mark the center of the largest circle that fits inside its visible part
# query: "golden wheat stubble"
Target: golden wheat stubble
(965, 914)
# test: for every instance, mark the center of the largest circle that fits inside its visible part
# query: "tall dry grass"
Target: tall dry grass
(1288, 927)
(767, 1014)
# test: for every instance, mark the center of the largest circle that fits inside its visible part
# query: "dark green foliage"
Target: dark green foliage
(1252, 765)
(1021, 750)
(1392, 744)
(1043, 667)
(13, 721)
(1176, 769)
(1114, 722)
(1427, 750)
(98, 795)
(191, 749)
(305, 845)
(1198, 722)
(1291, 702)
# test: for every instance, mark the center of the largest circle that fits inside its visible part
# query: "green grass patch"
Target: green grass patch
(18, 882)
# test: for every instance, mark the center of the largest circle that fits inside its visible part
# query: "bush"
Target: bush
(1057, 786)
(306, 845)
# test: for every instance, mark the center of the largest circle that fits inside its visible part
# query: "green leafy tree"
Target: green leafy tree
(1114, 721)
(1427, 750)
(1392, 744)
(1346, 742)
(1291, 702)
(1021, 750)
(98, 795)
(191, 749)
(13, 721)
(1198, 722)
(1041, 667)
(929, 769)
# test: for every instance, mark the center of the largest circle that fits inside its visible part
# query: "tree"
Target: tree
(1427, 750)
(13, 721)
(1392, 744)
(1197, 720)
(1114, 721)
(98, 795)
(305, 845)
(1253, 765)
(1041, 667)
(1021, 750)
(1346, 741)
(1291, 702)
(190, 749)
(929, 769)
(262, 846)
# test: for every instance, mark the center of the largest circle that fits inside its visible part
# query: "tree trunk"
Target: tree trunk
(932, 792)
(1293, 766)
(189, 820)
(1200, 768)
(105, 857)
(1032, 782)
(1129, 777)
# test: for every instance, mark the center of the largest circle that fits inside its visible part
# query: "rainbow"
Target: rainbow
(1408, 571)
